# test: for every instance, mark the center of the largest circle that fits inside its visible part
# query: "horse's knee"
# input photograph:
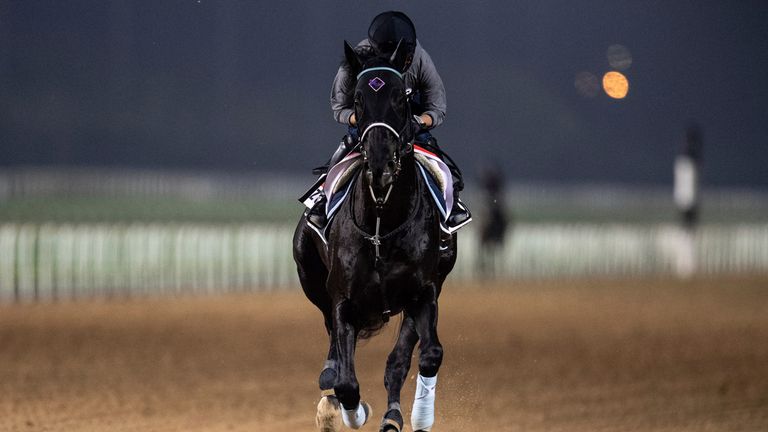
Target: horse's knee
(348, 393)
(430, 360)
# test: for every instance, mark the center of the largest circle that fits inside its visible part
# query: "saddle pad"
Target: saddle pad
(438, 178)
(337, 183)
(436, 175)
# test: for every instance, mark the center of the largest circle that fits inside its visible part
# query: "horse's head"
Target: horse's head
(383, 116)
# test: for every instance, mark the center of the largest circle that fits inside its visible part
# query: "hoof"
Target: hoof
(392, 421)
(328, 415)
(389, 428)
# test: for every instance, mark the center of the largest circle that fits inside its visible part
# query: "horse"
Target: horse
(383, 254)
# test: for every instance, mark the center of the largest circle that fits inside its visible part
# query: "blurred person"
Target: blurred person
(687, 197)
(494, 225)
(427, 98)
(687, 166)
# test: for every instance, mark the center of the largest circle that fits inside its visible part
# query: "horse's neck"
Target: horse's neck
(400, 204)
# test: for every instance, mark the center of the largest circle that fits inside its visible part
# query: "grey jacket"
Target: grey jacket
(421, 76)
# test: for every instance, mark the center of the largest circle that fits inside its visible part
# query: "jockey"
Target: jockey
(428, 103)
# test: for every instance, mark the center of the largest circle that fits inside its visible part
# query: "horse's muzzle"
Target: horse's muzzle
(380, 181)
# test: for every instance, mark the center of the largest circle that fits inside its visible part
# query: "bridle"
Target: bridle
(402, 148)
(395, 158)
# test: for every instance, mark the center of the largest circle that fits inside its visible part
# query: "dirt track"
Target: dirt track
(575, 356)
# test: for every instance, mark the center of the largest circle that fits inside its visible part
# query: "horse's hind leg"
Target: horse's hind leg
(398, 364)
(430, 359)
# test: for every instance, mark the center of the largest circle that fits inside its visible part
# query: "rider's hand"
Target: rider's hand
(424, 121)
(352, 119)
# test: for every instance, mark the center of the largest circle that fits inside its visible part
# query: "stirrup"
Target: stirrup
(319, 222)
(312, 195)
(316, 217)
(458, 219)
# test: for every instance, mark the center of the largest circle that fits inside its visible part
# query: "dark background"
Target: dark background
(244, 85)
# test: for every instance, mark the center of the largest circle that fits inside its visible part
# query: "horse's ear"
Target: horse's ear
(353, 60)
(402, 57)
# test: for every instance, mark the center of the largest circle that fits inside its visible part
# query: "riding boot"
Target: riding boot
(460, 214)
(316, 215)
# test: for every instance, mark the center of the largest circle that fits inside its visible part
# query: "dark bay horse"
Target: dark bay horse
(383, 256)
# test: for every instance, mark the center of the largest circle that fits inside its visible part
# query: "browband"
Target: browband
(399, 75)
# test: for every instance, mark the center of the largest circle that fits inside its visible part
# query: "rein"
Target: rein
(376, 239)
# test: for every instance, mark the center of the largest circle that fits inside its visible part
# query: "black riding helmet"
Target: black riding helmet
(388, 28)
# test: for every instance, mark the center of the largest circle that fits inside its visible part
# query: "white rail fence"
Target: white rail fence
(65, 261)
(66, 181)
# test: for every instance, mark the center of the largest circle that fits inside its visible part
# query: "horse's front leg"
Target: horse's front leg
(328, 375)
(353, 412)
(328, 418)
(398, 364)
(430, 358)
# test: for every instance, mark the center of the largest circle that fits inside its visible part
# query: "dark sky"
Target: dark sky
(244, 85)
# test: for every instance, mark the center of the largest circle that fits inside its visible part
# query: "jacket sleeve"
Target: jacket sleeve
(341, 96)
(432, 89)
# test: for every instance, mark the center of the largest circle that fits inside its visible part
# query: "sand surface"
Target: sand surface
(546, 356)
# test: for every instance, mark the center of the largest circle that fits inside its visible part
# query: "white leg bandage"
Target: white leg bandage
(354, 418)
(423, 413)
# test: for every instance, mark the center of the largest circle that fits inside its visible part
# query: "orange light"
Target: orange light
(615, 85)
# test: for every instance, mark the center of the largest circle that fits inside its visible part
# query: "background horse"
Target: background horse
(383, 256)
